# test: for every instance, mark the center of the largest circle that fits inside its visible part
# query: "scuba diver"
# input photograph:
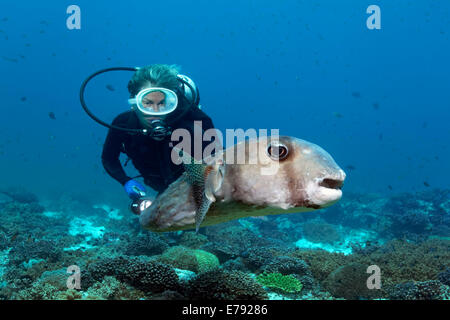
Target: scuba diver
(161, 100)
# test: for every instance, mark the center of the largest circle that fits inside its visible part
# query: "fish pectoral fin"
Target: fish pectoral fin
(205, 197)
(193, 167)
(214, 180)
(205, 181)
(209, 194)
(200, 214)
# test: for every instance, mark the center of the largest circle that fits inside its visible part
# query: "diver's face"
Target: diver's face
(154, 101)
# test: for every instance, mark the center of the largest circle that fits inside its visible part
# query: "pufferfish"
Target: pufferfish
(274, 176)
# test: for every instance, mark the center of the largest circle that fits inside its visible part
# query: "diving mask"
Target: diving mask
(155, 101)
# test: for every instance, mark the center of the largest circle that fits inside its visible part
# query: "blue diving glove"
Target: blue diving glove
(134, 189)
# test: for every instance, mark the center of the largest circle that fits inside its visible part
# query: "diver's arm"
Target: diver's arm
(111, 154)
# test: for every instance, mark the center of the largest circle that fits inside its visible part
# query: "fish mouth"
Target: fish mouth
(327, 190)
(332, 183)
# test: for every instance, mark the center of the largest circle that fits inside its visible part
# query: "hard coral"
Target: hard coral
(402, 261)
(195, 260)
(444, 277)
(350, 282)
(21, 195)
(426, 290)
(50, 286)
(279, 282)
(234, 264)
(321, 262)
(320, 231)
(110, 288)
(147, 276)
(236, 237)
(257, 257)
(193, 240)
(287, 265)
(42, 249)
(418, 214)
(146, 244)
(225, 285)
(222, 251)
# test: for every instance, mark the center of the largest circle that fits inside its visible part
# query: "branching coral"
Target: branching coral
(280, 282)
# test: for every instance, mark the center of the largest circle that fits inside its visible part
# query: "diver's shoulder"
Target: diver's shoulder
(198, 114)
(123, 118)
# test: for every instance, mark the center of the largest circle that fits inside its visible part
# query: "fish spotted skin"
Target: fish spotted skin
(306, 179)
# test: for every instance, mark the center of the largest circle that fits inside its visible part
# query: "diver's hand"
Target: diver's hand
(134, 189)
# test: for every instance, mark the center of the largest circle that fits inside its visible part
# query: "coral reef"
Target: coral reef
(406, 235)
(279, 282)
(148, 276)
(20, 195)
(287, 265)
(320, 262)
(145, 244)
(444, 277)
(402, 260)
(42, 249)
(193, 240)
(195, 260)
(51, 285)
(257, 257)
(112, 289)
(418, 215)
(425, 290)
(320, 231)
(224, 285)
(350, 282)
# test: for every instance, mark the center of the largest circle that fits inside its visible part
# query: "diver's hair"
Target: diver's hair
(155, 75)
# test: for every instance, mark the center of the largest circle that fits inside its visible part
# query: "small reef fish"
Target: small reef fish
(307, 178)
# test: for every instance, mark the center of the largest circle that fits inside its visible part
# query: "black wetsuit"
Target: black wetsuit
(150, 157)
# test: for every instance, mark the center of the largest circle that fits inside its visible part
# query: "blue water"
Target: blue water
(292, 65)
(377, 100)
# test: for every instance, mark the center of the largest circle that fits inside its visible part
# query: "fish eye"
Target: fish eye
(277, 151)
